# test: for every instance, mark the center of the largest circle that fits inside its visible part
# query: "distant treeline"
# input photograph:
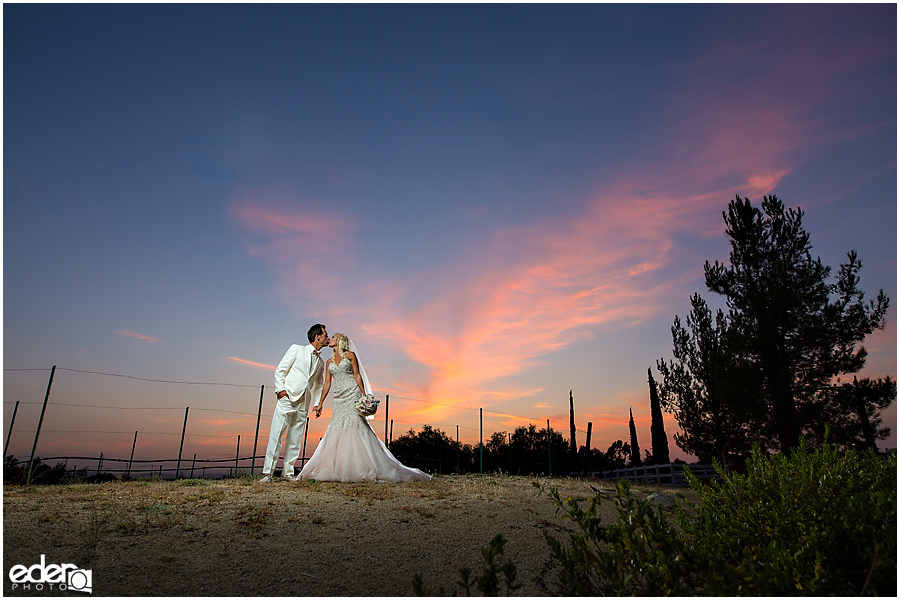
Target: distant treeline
(525, 451)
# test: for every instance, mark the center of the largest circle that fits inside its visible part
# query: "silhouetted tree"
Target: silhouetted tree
(617, 454)
(498, 455)
(592, 459)
(529, 449)
(793, 330)
(573, 448)
(659, 442)
(431, 450)
(714, 400)
(16, 471)
(635, 449)
(854, 411)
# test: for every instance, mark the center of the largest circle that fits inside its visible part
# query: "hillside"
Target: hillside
(241, 538)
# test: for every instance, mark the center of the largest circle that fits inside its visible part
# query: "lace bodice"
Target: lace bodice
(346, 392)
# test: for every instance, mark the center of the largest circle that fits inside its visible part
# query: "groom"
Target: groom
(298, 378)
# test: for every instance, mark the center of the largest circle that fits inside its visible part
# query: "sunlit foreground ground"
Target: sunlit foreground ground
(242, 538)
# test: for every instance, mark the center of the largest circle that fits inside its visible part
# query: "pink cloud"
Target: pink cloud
(138, 336)
(493, 310)
(250, 363)
(298, 240)
(533, 290)
(495, 306)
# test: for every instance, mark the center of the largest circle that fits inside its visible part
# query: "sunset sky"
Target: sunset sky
(497, 203)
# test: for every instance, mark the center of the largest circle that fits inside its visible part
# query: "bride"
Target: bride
(350, 449)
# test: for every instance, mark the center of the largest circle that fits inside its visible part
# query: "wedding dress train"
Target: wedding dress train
(350, 449)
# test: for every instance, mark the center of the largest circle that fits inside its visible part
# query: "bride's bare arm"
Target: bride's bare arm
(325, 389)
(356, 375)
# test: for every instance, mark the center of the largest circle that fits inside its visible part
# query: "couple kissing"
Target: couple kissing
(350, 451)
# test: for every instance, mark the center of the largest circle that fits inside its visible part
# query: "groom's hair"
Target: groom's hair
(315, 330)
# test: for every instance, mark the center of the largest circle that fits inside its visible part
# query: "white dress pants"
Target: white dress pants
(289, 417)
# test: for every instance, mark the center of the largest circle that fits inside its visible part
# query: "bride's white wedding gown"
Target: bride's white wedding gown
(350, 449)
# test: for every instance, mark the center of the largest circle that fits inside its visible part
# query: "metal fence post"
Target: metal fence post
(387, 399)
(133, 444)
(37, 433)
(237, 453)
(8, 435)
(549, 449)
(262, 388)
(480, 442)
(303, 458)
(180, 448)
(587, 449)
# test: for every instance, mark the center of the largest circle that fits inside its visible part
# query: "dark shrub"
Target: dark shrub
(808, 523)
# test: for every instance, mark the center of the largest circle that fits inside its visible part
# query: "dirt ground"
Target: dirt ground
(240, 537)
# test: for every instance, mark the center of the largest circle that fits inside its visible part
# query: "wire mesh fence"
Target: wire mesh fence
(214, 461)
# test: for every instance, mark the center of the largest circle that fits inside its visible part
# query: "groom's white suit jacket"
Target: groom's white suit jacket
(299, 375)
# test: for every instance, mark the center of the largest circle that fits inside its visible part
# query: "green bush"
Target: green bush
(16, 472)
(488, 582)
(809, 523)
(640, 554)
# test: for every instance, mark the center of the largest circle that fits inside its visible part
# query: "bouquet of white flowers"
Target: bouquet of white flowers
(367, 405)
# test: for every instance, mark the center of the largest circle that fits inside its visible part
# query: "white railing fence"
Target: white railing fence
(670, 474)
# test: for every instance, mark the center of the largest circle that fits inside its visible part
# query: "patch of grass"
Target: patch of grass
(241, 477)
(126, 526)
(369, 491)
(488, 582)
(191, 482)
(211, 497)
(253, 517)
(95, 530)
(49, 518)
(160, 515)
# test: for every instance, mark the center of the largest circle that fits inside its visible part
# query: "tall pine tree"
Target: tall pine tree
(714, 399)
(797, 331)
(769, 371)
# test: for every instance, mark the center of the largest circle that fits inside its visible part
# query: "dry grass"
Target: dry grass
(238, 538)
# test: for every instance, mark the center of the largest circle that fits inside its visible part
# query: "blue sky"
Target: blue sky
(497, 203)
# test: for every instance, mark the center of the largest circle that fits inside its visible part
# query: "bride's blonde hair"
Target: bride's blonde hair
(343, 344)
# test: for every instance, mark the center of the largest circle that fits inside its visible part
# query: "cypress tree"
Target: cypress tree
(635, 450)
(659, 440)
(573, 447)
